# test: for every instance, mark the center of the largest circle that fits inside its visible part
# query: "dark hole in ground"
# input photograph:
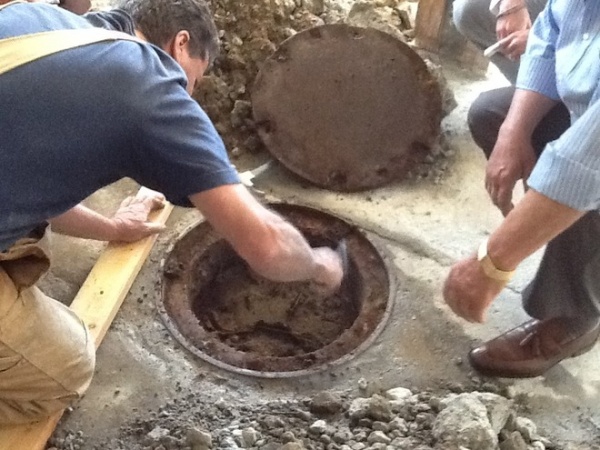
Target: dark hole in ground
(251, 314)
(224, 313)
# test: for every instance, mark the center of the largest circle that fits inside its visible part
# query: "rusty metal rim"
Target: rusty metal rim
(179, 337)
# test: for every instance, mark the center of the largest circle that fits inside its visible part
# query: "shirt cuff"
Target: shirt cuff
(539, 75)
(565, 181)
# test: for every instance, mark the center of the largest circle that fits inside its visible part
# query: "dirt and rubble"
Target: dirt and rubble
(397, 419)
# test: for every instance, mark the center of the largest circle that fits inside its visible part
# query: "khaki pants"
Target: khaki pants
(46, 353)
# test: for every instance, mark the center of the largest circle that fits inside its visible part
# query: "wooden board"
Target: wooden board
(431, 16)
(97, 303)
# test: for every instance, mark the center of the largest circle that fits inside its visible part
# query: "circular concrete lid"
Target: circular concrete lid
(347, 108)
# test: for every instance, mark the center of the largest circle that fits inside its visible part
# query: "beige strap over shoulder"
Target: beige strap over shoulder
(20, 50)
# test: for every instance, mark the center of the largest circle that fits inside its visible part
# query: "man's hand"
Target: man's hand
(512, 159)
(513, 22)
(514, 45)
(129, 223)
(330, 270)
(131, 219)
(469, 292)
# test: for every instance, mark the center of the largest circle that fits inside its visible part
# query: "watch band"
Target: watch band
(490, 270)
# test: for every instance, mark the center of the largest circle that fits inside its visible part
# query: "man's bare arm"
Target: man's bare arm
(535, 221)
(513, 157)
(129, 223)
(270, 245)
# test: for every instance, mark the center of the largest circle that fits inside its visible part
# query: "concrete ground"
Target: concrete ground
(424, 226)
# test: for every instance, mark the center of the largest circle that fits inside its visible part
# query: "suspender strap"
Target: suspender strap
(19, 50)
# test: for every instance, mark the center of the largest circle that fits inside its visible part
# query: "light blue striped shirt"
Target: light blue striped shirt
(562, 62)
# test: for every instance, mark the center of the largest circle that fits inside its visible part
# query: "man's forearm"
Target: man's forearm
(526, 111)
(82, 222)
(534, 222)
(272, 247)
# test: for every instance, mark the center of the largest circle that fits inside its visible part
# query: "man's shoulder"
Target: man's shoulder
(115, 19)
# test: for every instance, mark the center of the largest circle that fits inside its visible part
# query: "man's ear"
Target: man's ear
(178, 45)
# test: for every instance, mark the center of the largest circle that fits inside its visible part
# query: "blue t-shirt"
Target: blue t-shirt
(76, 121)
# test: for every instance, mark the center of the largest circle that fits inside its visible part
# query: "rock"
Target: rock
(271, 446)
(288, 436)
(464, 422)
(398, 424)
(526, 427)
(157, 433)
(498, 409)
(292, 446)
(198, 439)
(359, 408)
(383, 18)
(272, 422)
(326, 403)
(398, 394)
(228, 443)
(514, 442)
(342, 436)
(365, 422)
(378, 437)
(242, 110)
(359, 446)
(538, 445)
(318, 427)
(249, 437)
(379, 408)
(362, 384)
(380, 426)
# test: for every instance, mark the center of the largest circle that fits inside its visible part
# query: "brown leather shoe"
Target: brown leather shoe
(534, 347)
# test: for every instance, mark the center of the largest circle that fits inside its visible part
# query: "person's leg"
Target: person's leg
(564, 299)
(488, 111)
(474, 20)
(566, 282)
(46, 353)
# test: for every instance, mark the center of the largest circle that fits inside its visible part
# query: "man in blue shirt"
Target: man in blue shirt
(560, 208)
(77, 120)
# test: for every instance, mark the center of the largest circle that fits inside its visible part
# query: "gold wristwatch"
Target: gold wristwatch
(488, 266)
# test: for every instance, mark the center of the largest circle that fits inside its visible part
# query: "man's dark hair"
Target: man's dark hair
(161, 20)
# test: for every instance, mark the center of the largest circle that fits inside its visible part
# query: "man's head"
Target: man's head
(183, 28)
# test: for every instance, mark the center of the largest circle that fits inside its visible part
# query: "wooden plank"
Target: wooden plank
(97, 303)
(431, 16)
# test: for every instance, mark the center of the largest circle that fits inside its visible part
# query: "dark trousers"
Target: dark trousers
(567, 283)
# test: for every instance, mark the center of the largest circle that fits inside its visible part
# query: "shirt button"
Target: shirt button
(586, 36)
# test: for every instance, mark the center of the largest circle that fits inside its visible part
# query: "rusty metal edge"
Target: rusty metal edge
(171, 326)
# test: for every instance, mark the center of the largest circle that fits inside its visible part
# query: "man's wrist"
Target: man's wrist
(489, 266)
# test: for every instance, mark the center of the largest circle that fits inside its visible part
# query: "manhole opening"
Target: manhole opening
(224, 313)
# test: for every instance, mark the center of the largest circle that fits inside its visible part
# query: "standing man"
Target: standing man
(559, 210)
(80, 119)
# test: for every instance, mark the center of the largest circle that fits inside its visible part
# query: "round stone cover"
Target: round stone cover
(347, 108)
